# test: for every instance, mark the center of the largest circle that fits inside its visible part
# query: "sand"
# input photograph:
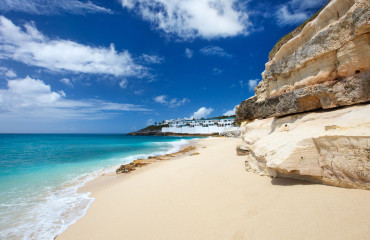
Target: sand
(211, 196)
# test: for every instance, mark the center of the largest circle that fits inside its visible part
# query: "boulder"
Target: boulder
(242, 150)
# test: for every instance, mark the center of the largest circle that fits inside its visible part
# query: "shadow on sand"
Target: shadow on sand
(289, 182)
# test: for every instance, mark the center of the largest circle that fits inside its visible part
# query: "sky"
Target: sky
(116, 66)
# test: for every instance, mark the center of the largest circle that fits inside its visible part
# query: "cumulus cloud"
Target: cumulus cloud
(160, 99)
(31, 47)
(202, 112)
(188, 53)
(297, 11)
(173, 102)
(123, 83)
(193, 18)
(215, 51)
(251, 84)
(66, 81)
(49, 7)
(230, 112)
(32, 98)
(8, 73)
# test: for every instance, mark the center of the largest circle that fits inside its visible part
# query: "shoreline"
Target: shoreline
(100, 176)
(150, 161)
(211, 196)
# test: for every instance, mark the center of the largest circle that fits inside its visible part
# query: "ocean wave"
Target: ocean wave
(58, 208)
(50, 215)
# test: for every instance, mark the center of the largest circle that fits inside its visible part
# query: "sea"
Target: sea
(41, 173)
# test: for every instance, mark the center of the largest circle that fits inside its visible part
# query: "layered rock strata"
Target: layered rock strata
(325, 59)
(310, 117)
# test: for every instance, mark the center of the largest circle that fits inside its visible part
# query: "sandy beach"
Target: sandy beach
(211, 196)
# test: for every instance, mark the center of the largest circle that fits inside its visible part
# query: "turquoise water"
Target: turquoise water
(40, 175)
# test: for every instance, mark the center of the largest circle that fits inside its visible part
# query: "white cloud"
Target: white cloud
(202, 112)
(139, 92)
(174, 102)
(150, 122)
(285, 17)
(251, 84)
(9, 73)
(230, 112)
(217, 71)
(193, 18)
(160, 99)
(51, 7)
(123, 83)
(297, 11)
(215, 51)
(188, 53)
(151, 59)
(66, 81)
(33, 48)
(32, 98)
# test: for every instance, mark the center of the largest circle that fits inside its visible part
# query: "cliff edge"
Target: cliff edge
(310, 116)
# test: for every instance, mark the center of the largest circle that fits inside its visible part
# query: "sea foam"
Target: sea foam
(51, 211)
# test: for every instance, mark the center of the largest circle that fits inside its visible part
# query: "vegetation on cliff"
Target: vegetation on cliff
(293, 33)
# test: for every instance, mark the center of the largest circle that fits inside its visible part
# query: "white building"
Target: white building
(201, 126)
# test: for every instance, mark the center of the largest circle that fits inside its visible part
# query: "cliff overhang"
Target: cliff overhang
(310, 116)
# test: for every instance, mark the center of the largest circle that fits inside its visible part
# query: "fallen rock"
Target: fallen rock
(242, 150)
(231, 134)
(126, 168)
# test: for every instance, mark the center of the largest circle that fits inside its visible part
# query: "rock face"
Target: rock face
(310, 117)
(331, 147)
(325, 66)
(326, 95)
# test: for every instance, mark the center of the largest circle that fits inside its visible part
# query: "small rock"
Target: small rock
(242, 150)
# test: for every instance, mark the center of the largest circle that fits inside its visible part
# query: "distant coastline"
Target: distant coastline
(144, 132)
(191, 128)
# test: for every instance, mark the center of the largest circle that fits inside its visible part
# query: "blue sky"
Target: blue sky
(74, 66)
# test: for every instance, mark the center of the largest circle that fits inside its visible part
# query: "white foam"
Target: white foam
(59, 208)
(52, 214)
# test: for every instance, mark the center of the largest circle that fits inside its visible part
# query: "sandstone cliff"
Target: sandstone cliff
(326, 66)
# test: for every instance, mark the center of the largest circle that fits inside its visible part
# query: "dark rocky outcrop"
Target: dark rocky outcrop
(126, 168)
(326, 95)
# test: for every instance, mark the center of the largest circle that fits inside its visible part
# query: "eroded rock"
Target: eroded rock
(325, 66)
(310, 117)
(329, 94)
(126, 168)
(331, 147)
